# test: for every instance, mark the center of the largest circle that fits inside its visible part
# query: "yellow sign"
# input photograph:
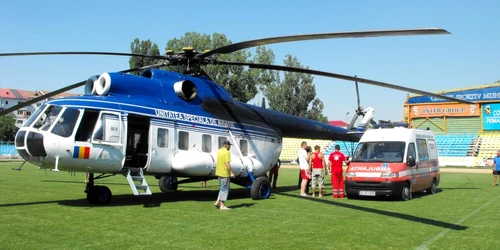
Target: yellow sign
(444, 110)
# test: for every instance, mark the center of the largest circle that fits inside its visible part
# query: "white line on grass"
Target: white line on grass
(442, 233)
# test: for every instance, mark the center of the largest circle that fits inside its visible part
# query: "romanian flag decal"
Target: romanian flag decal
(81, 152)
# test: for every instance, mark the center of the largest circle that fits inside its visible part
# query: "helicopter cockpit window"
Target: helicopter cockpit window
(48, 117)
(379, 152)
(66, 123)
(34, 116)
(87, 124)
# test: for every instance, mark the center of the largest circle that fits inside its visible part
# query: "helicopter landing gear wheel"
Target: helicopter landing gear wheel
(168, 183)
(261, 188)
(99, 195)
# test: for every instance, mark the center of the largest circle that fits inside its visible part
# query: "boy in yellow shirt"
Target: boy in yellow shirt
(224, 172)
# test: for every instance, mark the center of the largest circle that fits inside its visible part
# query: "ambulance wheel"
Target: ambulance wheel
(99, 195)
(261, 188)
(168, 183)
(432, 188)
(405, 192)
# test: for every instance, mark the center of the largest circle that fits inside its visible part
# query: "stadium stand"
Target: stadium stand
(346, 147)
(8, 149)
(455, 145)
(291, 146)
(488, 145)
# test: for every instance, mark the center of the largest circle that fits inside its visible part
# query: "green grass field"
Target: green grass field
(49, 211)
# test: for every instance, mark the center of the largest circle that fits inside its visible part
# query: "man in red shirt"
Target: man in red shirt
(335, 166)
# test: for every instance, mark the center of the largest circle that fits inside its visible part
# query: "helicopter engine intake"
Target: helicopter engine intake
(90, 87)
(185, 89)
(103, 84)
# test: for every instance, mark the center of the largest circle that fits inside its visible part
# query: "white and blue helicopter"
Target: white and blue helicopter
(170, 125)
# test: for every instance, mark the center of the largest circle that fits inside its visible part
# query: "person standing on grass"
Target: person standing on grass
(318, 168)
(273, 173)
(335, 165)
(304, 168)
(224, 172)
(496, 168)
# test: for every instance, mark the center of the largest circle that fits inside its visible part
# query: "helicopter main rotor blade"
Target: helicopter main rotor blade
(343, 77)
(72, 86)
(349, 34)
(81, 53)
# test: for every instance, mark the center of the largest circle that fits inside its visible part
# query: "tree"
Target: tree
(8, 128)
(143, 47)
(243, 84)
(295, 94)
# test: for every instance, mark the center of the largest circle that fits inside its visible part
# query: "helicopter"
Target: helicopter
(170, 125)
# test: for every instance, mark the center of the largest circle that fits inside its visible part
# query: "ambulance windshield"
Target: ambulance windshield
(379, 152)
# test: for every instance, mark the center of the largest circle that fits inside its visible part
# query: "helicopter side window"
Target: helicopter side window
(162, 138)
(108, 129)
(183, 140)
(244, 147)
(66, 123)
(221, 140)
(206, 143)
(87, 124)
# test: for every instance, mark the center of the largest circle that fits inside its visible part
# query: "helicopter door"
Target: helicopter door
(160, 150)
(107, 139)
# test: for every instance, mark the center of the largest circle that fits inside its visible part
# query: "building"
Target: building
(12, 97)
(338, 123)
(467, 134)
(445, 117)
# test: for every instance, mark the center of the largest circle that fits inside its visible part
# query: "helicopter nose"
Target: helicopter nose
(30, 146)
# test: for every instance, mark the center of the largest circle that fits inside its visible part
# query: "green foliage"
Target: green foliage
(295, 94)
(143, 47)
(242, 83)
(8, 128)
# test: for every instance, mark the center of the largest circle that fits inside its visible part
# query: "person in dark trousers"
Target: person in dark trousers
(273, 173)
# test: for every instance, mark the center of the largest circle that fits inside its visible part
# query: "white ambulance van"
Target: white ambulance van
(393, 162)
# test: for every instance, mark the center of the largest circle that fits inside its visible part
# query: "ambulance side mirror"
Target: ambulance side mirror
(411, 161)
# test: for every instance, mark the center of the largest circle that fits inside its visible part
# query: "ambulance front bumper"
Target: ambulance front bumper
(365, 188)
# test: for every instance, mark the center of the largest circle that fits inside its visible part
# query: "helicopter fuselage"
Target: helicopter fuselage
(163, 122)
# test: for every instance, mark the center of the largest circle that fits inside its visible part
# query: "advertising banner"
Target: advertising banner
(444, 110)
(457, 161)
(491, 116)
(484, 94)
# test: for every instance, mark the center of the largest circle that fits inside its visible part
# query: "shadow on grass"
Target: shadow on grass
(156, 199)
(149, 201)
(83, 183)
(376, 211)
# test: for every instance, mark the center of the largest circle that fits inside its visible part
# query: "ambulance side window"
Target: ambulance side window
(411, 151)
(431, 145)
(422, 150)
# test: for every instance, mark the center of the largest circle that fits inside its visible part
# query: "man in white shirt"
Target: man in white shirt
(304, 168)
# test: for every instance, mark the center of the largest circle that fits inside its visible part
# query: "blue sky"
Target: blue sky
(467, 57)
